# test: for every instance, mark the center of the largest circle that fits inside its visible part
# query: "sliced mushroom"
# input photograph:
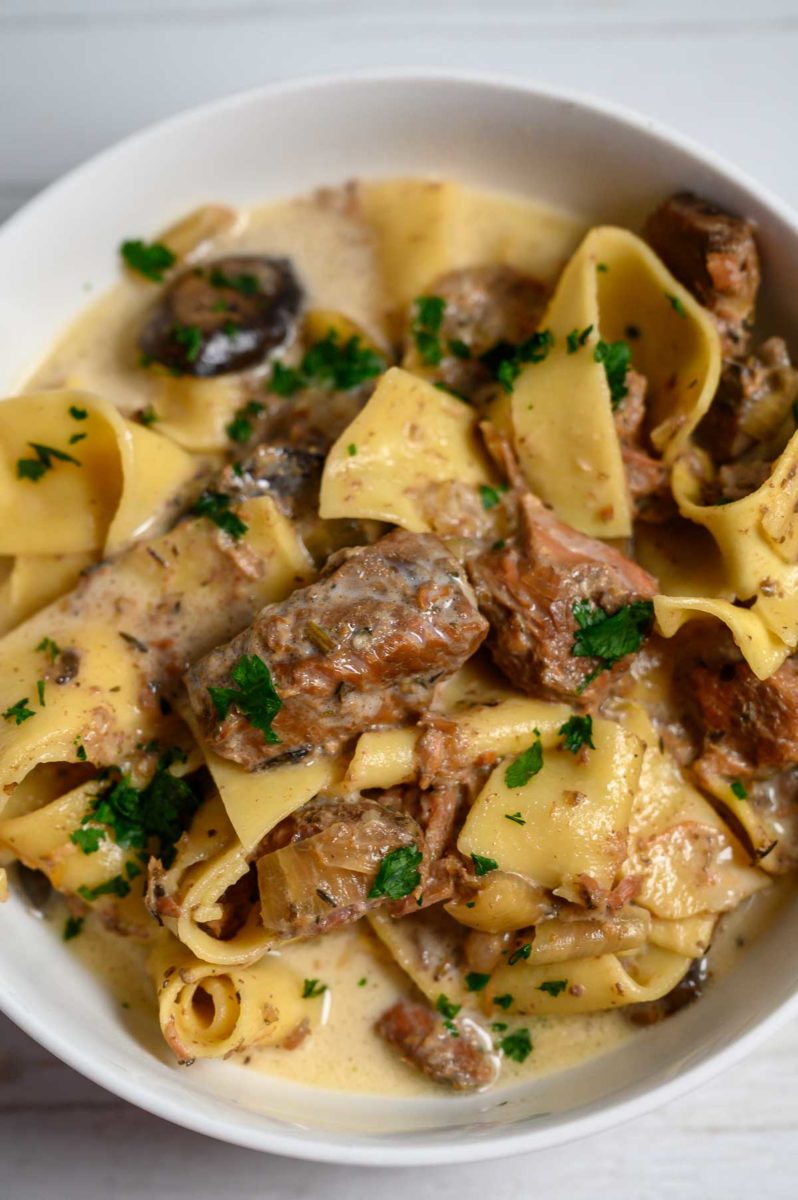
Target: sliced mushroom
(223, 316)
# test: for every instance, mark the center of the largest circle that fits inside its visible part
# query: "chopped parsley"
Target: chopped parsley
(503, 1001)
(362, 982)
(239, 430)
(459, 348)
(602, 268)
(491, 496)
(499, 545)
(190, 338)
(40, 692)
(446, 1007)
(516, 816)
(615, 357)
(254, 696)
(79, 414)
(483, 865)
(553, 987)
(517, 1045)
(150, 260)
(147, 416)
(80, 750)
(18, 712)
(739, 789)
(522, 952)
(576, 733)
(426, 326)
(526, 765)
(50, 648)
(112, 887)
(398, 874)
(351, 449)
(476, 981)
(245, 284)
(148, 819)
(609, 636)
(34, 468)
(499, 1026)
(575, 339)
(216, 507)
(329, 364)
(505, 360)
(676, 305)
(72, 928)
(77, 437)
(311, 988)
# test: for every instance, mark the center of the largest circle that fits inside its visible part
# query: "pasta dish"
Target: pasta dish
(397, 679)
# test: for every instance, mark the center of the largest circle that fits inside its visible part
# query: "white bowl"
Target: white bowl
(279, 141)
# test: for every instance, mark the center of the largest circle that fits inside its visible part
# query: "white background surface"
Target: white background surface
(77, 74)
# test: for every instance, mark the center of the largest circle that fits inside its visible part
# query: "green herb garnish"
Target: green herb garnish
(79, 414)
(72, 928)
(517, 1045)
(516, 816)
(254, 696)
(190, 338)
(351, 449)
(311, 988)
(475, 981)
(676, 305)
(739, 789)
(503, 1001)
(216, 507)
(575, 339)
(329, 364)
(34, 468)
(576, 733)
(483, 865)
(150, 260)
(526, 765)
(245, 284)
(553, 987)
(491, 495)
(616, 358)
(459, 348)
(426, 326)
(446, 1007)
(50, 648)
(609, 636)
(40, 692)
(112, 887)
(18, 712)
(522, 952)
(506, 360)
(398, 874)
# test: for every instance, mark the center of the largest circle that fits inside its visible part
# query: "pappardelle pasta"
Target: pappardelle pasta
(399, 627)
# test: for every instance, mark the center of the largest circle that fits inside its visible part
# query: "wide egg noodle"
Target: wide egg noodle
(561, 407)
(409, 435)
(32, 581)
(211, 1011)
(124, 476)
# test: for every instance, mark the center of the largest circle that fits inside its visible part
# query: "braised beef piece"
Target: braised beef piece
(691, 988)
(361, 647)
(487, 308)
(750, 724)
(317, 868)
(714, 255)
(314, 417)
(755, 395)
(647, 478)
(528, 588)
(454, 1056)
(223, 316)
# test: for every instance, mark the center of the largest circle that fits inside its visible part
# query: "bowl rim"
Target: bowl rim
(408, 1149)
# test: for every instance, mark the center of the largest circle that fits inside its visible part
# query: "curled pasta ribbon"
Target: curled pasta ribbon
(86, 483)
(31, 581)
(591, 984)
(210, 1011)
(425, 950)
(757, 537)
(562, 407)
(409, 436)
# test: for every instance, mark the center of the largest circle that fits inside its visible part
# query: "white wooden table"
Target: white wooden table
(77, 74)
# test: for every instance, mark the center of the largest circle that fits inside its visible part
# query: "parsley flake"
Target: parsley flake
(34, 468)
(254, 696)
(517, 1045)
(505, 360)
(503, 1001)
(609, 636)
(739, 789)
(676, 305)
(516, 816)
(239, 429)
(522, 952)
(149, 260)
(475, 981)
(79, 414)
(77, 437)
(553, 987)
(88, 838)
(311, 988)
(526, 765)
(425, 328)
(575, 339)
(40, 692)
(483, 865)
(615, 357)
(50, 648)
(112, 887)
(190, 337)
(245, 284)
(329, 364)
(351, 449)
(72, 928)
(18, 712)
(459, 348)
(491, 496)
(576, 733)
(147, 416)
(216, 507)
(398, 874)
(446, 1007)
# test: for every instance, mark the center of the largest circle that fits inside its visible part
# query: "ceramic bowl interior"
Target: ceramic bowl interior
(278, 142)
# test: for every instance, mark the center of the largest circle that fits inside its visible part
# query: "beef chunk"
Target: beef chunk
(749, 723)
(317, 868)
(528, 589)
(486, 307)
(648, 479)
(361, 647)
(455, 1057)
(754, 397)
(714, 255)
